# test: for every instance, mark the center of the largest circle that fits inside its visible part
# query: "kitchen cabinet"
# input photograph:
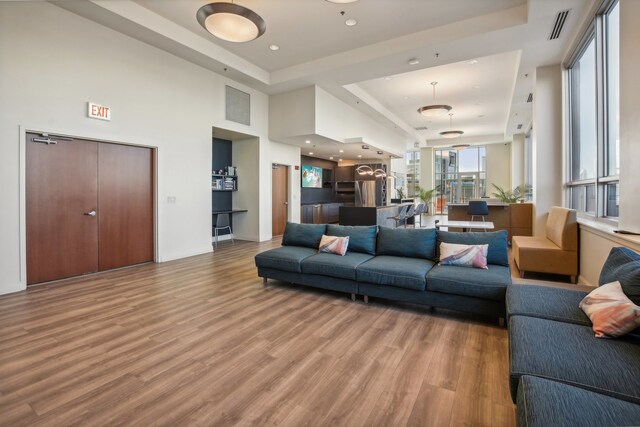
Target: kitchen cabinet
(345, 173)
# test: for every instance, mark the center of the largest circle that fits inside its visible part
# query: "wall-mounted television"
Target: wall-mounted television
(311, 177)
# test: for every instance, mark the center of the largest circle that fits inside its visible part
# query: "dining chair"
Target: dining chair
(411, 213)
(478, 208)
(418, 213)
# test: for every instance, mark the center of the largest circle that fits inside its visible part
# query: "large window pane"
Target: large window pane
(613, 199)
(613, 91)
(460, 176)
(583, 111)
(583, 198)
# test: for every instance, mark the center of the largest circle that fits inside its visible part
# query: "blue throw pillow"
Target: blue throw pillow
(498, 253)
(623, 265)
(305, 235)
(362, 238)
(406, 242)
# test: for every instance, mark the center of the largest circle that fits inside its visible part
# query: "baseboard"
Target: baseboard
(186, 254)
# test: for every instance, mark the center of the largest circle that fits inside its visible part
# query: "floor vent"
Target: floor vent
(561, 19)
(530, 98)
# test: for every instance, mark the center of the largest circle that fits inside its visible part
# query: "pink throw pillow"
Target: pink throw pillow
(334, 245)
(464, 255)
(610, 311)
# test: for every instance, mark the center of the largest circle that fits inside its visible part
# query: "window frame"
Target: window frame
(596, 31)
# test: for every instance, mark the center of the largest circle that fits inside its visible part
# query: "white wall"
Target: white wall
(498, 167)
(547, 144)
(517, 160)
(629, 115)
(292, 113)
(52, 62)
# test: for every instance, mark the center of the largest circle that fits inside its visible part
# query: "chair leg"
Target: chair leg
(353, 296)
(366, 299)
(264, 281)
(215, 231)
(522, 274)
(501, 322)
(574, 279)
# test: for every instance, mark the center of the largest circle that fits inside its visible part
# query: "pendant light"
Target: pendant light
(435, 109)
(231, 22)
(451, 133)
(460, 147)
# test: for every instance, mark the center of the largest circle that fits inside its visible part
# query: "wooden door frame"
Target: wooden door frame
(22, 155)
(289, 190)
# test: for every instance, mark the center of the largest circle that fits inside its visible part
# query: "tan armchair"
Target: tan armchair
(556, 253)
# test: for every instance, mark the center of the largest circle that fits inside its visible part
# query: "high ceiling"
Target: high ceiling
(483, 53)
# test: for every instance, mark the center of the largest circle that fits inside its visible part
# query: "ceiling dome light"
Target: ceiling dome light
(451, 133)
(434, 109)
(231, 22)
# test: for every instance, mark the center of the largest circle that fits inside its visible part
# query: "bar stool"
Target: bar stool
(222, 222)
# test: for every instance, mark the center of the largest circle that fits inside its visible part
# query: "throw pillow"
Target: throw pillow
(464, 255)
(334, 244)
(610, 311)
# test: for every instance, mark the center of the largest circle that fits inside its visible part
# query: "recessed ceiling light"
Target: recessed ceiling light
(339, 160)
(307, 142)
(341, 1)
(342, 151)
(388, 78)
(476, 87)
(330, 157)
(472, 62)
(274, 47)
(413, 61)
(311, 153)
(405, 97)
(359, 155)
(350, 22)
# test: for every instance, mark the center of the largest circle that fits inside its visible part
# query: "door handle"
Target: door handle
(286, 203)
(92, 213)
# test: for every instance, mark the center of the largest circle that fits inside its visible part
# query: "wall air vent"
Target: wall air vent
(561, 19)
(520, 126)
(421, 128)
(530, 98)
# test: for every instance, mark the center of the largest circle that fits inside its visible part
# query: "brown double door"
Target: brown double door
(89, 207)
(279, 198)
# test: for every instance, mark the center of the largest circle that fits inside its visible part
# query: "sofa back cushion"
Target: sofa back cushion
(497, 241)
(623, 265)
(562, 228)
(305, 235)
(362, 238)
(406, 242)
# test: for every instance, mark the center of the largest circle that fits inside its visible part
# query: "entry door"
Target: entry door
(61, 208)
(89, 207)
(279, 198)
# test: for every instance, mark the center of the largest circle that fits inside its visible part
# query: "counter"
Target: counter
(370, 215)
(516, 218)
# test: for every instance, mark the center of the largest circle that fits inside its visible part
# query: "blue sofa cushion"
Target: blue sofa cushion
(623, 265)
(361, 238)
(543, 403)
(286, 258)
(571, 354)
(497, 241)
(304, 235)
(472, 282)
(546, 302)
(408, 273)
(343, 267)
(412, 243)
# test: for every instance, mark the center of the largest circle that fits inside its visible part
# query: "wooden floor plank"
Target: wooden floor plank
(200, 342)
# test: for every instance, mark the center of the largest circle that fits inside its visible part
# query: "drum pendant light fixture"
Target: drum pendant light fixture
(434, 109)
(451, 133)
(231, 22)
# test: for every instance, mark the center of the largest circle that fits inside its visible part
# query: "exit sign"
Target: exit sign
(96, 111)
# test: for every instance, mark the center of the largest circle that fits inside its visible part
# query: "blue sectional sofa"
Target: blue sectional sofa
(394, 264)
(560, 374)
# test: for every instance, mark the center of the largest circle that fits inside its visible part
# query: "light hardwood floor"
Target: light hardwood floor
(201, 342)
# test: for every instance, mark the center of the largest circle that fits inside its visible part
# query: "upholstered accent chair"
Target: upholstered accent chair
(555, 253)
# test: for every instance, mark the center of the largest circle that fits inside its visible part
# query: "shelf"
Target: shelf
(225, 176)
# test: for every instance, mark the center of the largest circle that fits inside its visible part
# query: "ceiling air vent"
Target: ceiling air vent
(530, 97)
(561, 18)
(520, 126)
(421, 128)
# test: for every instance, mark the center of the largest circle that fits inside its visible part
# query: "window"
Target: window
(413, 173)
(459, 176)
(594, 118)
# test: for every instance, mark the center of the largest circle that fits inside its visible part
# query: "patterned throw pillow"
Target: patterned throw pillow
(334, 244)
(610, 311)
(464, 255)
